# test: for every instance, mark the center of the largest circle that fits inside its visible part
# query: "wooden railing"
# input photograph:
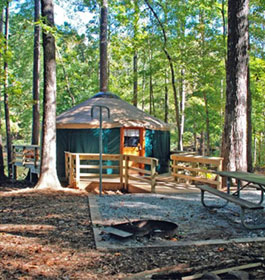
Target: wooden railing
(27, 156)
(79, 166)
(197, 168)
(82, 165)
(146, 168)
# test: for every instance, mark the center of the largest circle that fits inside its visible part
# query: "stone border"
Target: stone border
(97, 223)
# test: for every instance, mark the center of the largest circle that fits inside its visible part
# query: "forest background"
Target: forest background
(138, 67)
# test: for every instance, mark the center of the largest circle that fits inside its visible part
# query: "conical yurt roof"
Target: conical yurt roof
(122, 114)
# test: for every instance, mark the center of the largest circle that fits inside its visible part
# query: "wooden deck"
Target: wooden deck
(165, 184)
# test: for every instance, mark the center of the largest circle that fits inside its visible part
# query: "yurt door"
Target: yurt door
(133, 141)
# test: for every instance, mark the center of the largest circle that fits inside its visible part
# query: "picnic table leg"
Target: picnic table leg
(261, 194)
(211, 206)
(246, 225)
(229, 181)
(238, 188)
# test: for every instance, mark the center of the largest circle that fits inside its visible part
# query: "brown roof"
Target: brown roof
(122, 114)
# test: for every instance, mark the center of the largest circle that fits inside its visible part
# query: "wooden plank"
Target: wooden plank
(222, 271)
(200, 159)
(96, 175)
(86, 166)
(203, 180)
(115, 157)
(140, 170)
(139, 179)
(147, 274)
(193, 169)
(144, 160)
(234, 199)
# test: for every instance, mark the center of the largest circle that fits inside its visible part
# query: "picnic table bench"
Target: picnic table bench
(254, 180)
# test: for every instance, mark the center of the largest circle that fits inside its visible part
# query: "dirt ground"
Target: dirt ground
(46, 235)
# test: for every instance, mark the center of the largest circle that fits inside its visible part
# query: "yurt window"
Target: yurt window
(131, 137)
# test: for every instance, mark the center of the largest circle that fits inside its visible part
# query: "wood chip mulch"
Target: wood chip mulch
(48, 235)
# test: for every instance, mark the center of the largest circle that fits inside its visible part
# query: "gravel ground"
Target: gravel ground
(194, 221)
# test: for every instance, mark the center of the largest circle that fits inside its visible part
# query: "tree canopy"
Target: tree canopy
(194, 35)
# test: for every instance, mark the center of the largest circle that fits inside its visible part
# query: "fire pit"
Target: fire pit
(143, 228)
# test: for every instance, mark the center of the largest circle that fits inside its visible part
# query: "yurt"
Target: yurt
(126, 130)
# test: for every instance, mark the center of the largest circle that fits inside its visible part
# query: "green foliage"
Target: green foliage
(195, 42)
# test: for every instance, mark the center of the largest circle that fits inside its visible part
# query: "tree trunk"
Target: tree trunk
(235, 129)
(151, 95)
(7, 117)
(48, 174)
(207, 123)
(36, 78)
(104, 46)
(202, 148)
(135, 52)
(2, 167)
(166, 97)
(249, 125)
(135, 78)
(182, 95)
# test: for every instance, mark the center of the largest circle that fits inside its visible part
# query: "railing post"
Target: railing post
(72, 167)
(153, 175)
(126, 172)
(219, 178)
(77, 170)
(121, 170)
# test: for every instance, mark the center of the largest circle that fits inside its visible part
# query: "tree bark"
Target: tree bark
(7, 115)
(48, 174)
(36, 78)
(104, 46)
(235, 129)
(2, 167)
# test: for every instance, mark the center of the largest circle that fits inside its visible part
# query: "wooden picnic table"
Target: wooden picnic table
(243, 179)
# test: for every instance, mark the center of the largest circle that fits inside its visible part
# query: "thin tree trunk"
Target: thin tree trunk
(68, 85)
(202, 148)
(7, 116)
(150, 81)
(205, 98)
(135, 78)
(135, 52)
(48, 174)
(2, 167)
(166, 97)
(143, 81)
(151, 95)
(176, 101)
(207, 124)
(255, 150)
(104, 46)
(195, 142)
(235, 129)
(182, 95)
(36, 78)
